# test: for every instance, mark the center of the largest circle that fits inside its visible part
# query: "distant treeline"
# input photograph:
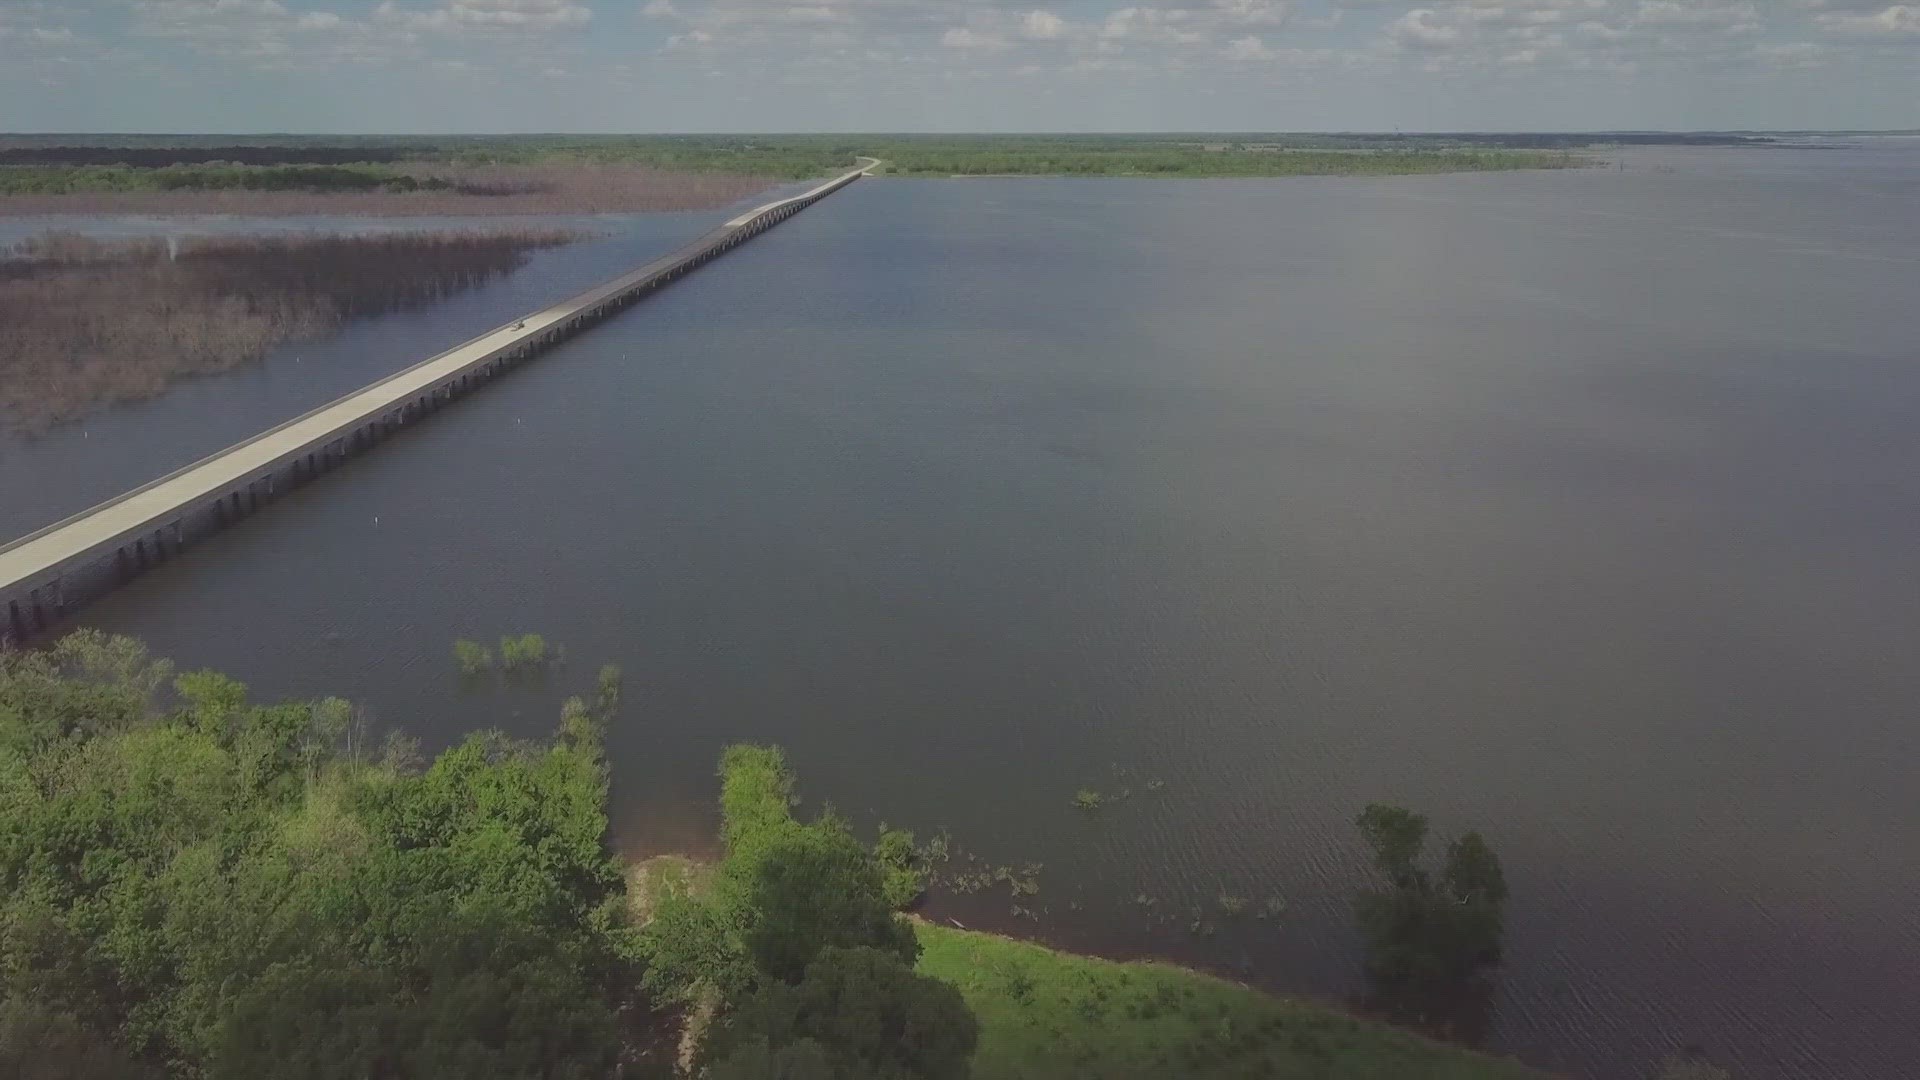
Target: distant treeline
(155, 157)
(376, 163)
(370, 188)
(54, 180)
(800, 156)
(1577, 140)
(794, 157)
(1203, 162)
(91, 323)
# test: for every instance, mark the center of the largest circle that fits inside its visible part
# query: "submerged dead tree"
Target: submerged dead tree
(90, 323)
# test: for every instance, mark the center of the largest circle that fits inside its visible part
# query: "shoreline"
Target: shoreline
(989, 967)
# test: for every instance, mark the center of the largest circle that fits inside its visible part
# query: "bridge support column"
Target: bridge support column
(16, 620)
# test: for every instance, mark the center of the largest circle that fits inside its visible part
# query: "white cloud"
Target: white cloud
(1237, 48)
(41, 37)
(486, 15)
(1043, 26)
(1424, 28)
(1253, 12)
(1695, 15)
(1583, 35)
(180, 10)
(1897, 19)
(961, 37)
(267, 34)
(1151, 26)
(1248, 48)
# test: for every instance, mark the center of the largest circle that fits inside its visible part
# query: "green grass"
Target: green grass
(1045, 1014)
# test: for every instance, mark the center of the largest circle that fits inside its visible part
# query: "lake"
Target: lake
(1578, 508)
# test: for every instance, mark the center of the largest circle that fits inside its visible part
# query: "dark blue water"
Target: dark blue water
(1580, 508)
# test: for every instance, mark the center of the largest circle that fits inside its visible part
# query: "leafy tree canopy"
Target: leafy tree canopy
(1429, 940)
(197, 885)
(799, 935)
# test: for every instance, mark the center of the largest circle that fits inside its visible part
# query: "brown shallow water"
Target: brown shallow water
(1576, 507)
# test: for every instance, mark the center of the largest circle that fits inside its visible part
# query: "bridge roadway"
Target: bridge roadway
(45, 574)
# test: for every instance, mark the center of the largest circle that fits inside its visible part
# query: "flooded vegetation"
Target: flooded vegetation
(289, 175)
(91, 322)
(428, 189)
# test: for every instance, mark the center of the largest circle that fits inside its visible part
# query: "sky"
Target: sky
(956, 65)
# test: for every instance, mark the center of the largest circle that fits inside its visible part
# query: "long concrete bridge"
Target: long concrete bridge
(46, 574)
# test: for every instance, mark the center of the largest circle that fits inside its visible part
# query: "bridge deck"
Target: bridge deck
(39, 560)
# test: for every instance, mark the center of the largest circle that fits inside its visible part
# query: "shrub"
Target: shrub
(523, 653)
(1087, 799)
(473, 657)
(903, 875)
(607, 692)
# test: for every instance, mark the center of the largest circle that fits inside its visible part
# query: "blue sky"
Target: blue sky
(955, 65)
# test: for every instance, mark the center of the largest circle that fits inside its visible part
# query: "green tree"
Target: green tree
(803, 1060)
(811, 888)
(798, 932)
(903, 878)
(42, 1043)
(485, 996)
(220, 888)
(862, 1014)
(1429, 941)
(784, 891)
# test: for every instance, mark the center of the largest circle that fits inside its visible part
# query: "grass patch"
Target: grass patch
(651, 882)
(1045, 1014)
